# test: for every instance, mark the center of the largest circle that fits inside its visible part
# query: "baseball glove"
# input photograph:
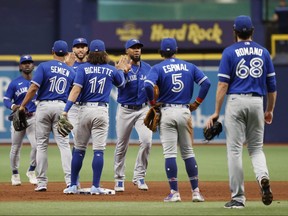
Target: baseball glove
(64, 127)
(19, 120)
(152, 118)
(210, 133)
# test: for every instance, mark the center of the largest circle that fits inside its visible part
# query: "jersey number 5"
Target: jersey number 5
(177, 82)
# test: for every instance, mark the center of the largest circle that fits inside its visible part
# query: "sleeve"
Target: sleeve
(8, 97)
(224, 68)
(38, 76)
(119, 80)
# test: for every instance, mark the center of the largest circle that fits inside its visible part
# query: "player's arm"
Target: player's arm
(271, 100)
(29, 96)
(220, 95)
(72, 98)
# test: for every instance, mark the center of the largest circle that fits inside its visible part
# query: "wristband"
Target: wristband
(152, 102)
(68, 105)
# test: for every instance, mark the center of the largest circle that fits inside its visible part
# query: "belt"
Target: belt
(134, 107)
(93, 104)
(53, 101)
(251, 95)
(176, 105)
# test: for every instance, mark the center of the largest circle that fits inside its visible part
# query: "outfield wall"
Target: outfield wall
(273, 133)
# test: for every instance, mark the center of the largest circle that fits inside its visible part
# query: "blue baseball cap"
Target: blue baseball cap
(97, 46)
(26, 58)
(60, 46)
(80, 41)
(133, 42)
(168, 44)
(243, 23)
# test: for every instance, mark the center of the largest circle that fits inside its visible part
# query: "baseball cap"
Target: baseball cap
(243, 23)
(97, 46)
(168, 44)
(60, 46)
(132, 42)
(80, 41)
(26, 58)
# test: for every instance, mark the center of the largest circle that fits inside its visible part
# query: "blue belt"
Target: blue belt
(134, 107)
(175, 105)
(93, 104)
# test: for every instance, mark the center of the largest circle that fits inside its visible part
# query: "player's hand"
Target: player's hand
(15, 107)
(124, 64)
(70, 59)
(268, 117)
(22, 108)
(211, 119)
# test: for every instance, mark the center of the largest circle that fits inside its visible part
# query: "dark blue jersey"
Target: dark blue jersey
(54, 79)
(16, 92)
(175, 79)
(97, 81)
(134, 92)
(248, 68)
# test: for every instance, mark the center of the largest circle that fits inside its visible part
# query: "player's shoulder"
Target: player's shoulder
(145, 64)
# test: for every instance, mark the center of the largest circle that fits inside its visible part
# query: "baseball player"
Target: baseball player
(245, 72)
(175, 79)
(80, 50)
(131, 113)
(14, 95)
(94, 80)
(52, 80)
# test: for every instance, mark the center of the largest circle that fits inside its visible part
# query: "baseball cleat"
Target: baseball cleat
(15, 180)
(96, 191)
(197, 197)
(141, 184)
(32, 177)
(174, 196)
(71, 190)
(234, 204)
(119, 186)
(267, 196)
(40, 188)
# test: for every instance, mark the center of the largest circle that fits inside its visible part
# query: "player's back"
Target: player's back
(54, 79)
(176, 80)
(247, 65)
(97, 81)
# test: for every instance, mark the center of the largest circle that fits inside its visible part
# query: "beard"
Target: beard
(27, 71)
(135, 58)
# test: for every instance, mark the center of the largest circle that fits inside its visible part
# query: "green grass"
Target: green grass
(212, 167)
(211, 161)
(136, 208)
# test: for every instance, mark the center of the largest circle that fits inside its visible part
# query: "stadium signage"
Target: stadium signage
(200, 35)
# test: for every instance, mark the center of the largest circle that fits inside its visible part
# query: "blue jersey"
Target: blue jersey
(16, 92)
(97, 81)
(248, 68)
(54, 80)
(75, 66)
(134, 92)
(175, 79)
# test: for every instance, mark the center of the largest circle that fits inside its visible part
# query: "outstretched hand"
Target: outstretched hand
(124, 64)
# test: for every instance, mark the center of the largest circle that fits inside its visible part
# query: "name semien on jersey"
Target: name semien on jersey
(248, 51)
(99, 70)
(60, 70)
(174, 67)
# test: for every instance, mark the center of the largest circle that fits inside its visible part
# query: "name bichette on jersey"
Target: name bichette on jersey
(174, 67)
(248, 51)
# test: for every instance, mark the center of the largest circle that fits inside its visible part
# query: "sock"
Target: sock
(97, 166)
(192, 171)
(32, 168)
(171, 172)
(14, 172)
(76, 165)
